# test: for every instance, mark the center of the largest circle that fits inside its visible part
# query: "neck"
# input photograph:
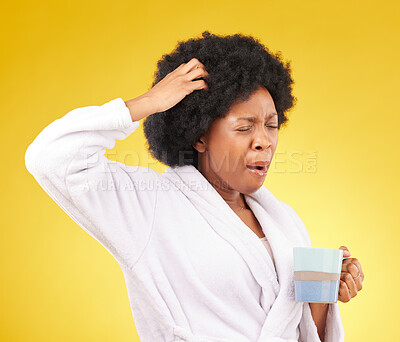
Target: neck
(233, 198)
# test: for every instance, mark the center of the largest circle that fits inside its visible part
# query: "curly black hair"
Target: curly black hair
(237, 66)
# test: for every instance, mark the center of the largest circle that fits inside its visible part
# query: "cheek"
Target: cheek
(228, 155)
(274, 143)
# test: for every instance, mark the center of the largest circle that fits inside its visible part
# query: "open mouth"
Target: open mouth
(257, 170)
(256, 167)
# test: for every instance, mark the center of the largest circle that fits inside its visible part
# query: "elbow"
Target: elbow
(35, 161)
(30, 159)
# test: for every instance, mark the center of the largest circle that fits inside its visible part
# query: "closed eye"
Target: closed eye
(246, 129)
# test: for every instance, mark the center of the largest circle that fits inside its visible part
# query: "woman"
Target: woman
(205, 248)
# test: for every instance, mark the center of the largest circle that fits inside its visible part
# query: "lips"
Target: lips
(258, 168)
(260, 164)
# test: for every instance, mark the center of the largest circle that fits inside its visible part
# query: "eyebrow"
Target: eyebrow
(253, 118)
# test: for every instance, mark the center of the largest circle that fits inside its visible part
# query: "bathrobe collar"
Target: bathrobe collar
(277, 225)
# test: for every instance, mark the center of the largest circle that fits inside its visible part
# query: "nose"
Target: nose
(262, 141)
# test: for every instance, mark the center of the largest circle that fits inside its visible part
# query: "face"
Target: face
(247, 135)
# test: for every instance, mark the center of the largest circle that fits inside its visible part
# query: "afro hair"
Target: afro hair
(237, 66)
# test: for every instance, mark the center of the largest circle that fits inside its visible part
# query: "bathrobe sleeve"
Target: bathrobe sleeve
(334, 331)
(112, 202)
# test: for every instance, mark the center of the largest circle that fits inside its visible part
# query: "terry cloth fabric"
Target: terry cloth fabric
(194, 271)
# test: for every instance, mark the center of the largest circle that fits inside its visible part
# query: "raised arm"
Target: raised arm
(106, 198)
(111, 201)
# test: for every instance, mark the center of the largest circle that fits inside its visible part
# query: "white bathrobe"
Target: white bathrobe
(194, 271)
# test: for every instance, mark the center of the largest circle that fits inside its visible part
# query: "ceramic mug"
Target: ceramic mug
(317, 274)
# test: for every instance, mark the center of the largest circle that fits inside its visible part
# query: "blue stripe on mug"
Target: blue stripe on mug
(316, 291)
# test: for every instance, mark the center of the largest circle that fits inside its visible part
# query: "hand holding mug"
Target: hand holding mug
(351, 277)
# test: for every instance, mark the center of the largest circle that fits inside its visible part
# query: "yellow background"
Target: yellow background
(59, 284)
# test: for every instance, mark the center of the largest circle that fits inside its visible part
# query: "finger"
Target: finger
(197, 85)
(349, 265)
(199, 66)
(358, 276)
(346, 251)
(353, 269)
(344, 293)
(358, 264)
(358, 282)
(191, 65)
(351, 285)
(179, 68)
(196, 73)
(345, 264)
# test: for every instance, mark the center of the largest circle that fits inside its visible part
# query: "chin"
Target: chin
(248, 185)
(249, 190)
(257, 189)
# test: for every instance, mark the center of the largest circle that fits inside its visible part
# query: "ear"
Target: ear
(200, 145)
